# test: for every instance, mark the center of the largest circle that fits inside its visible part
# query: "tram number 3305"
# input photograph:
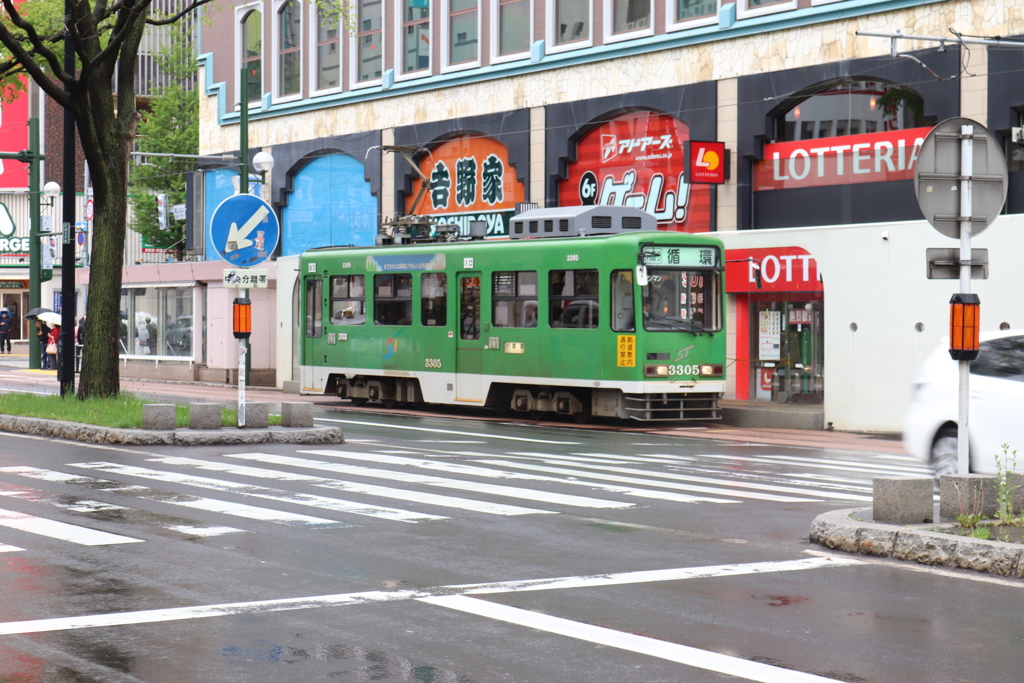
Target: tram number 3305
(684, 369)
(432, 362)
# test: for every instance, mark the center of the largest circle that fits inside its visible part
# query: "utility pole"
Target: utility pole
(67, 259)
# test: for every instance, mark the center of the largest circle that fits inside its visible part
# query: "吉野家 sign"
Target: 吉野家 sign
(245, 277)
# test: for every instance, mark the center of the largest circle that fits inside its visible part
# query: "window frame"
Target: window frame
(242, 14)
(672, 24)
(495, 25)
(353, 51)
(349, 277)
(447, 66)
(314, 53)
(551, 45)
(518, 300)
(743, 11)
(400, 25)
(609, 22)
(393, 298)
(554, 300)
(279, 53)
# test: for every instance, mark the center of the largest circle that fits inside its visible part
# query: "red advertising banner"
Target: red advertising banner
(472, 180)
(866, 158)
(783, 269)
(14, 138)
(706, 162)
(637, 160)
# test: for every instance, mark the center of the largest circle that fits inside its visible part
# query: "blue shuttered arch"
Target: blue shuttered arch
(330, 203)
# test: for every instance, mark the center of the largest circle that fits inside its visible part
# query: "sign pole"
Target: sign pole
(963, 463)
(241, 382)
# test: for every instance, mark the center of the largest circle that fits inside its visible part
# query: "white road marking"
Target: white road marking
(182, 500)
(4, 548)
(321, 502)
(430, 480)
(842, 465)
(205, 531)
(652, 482)
(673, 652)
(319, 601)
(355, 487)
(449, 431)
(60, 530)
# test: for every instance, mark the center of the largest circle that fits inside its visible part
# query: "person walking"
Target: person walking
(5, 331)
(42, 334)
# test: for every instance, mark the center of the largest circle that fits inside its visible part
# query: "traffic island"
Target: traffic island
(855, 531)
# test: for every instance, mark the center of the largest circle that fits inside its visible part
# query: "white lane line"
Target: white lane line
(866, 466)
(430, 480)
(4, 548)
(321, 502)
(673, 652)
(319, 601)
(60, 530)
(734, 482)
(845, 466)
(583, 474)
(355, 487)
(206, 531)
(449, 431)
(474, 471)
(182, 500)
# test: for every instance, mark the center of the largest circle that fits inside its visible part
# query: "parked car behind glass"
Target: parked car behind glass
(996, 413)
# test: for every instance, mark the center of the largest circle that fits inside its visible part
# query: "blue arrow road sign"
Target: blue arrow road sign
(244, 230)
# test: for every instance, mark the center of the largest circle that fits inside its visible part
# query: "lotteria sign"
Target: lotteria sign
(867, 158)
(471, 180)
(783, 269)
(637, 160)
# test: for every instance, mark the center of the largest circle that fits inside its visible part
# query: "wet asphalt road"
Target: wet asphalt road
(441, 549)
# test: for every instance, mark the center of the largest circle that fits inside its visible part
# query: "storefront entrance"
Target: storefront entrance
(16, 304)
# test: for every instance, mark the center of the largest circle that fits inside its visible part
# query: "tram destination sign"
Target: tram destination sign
(698, 257)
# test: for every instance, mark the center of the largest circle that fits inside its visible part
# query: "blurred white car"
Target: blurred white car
(996, 414)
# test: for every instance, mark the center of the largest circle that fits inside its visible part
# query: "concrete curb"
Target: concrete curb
(848, 530)
(74, 431)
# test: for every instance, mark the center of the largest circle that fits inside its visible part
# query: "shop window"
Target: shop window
(571, 21)
(348, 300)
(853, 107)
(434, 299)
(251, 39)
(1015, 146)
(513, 27)
(415, 36)
(572, 298)
(463, 31)
(369, 41)
(515, 299)
(157, 321)
(328, 50)
(392, 299)
(623, 313)
(289, 49)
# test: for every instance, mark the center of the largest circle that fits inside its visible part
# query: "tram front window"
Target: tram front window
(681, 301)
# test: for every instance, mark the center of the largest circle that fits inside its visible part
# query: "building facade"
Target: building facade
(568, 102)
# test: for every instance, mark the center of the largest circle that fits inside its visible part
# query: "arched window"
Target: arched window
(289, 48)
(252, 53)
(852, 107)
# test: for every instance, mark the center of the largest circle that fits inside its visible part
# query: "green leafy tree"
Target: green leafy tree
(100, 92)
(171, 126)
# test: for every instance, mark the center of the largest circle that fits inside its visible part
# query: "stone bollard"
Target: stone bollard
(970, 494)
(205, 416)
(257, 415)
(297, 415)
(903, 500)
(158, 416)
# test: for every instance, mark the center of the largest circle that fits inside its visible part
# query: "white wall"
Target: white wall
(881, 285)
(287, 275)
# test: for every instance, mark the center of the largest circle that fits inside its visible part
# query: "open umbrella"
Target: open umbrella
(36, 311)
(50, 318)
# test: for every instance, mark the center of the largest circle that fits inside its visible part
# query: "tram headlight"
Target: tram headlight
(710, 370)
(655, 371)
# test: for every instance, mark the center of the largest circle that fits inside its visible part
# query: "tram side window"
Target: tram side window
(314, 309)
(515, 298)
(348, 300)
(392, 299)
(572, 298)
(434, 299)
(623, 313)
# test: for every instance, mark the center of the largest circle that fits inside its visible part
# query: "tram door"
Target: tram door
(312, 358)
(469, 345)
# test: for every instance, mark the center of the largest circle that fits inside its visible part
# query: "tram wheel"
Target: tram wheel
(538, 415)
(580, 418)
(388, 402)
(357, 400)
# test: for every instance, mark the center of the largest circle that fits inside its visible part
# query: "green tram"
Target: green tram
(586, 311)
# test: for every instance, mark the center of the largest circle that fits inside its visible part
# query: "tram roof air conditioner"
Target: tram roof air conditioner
(580, 221)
